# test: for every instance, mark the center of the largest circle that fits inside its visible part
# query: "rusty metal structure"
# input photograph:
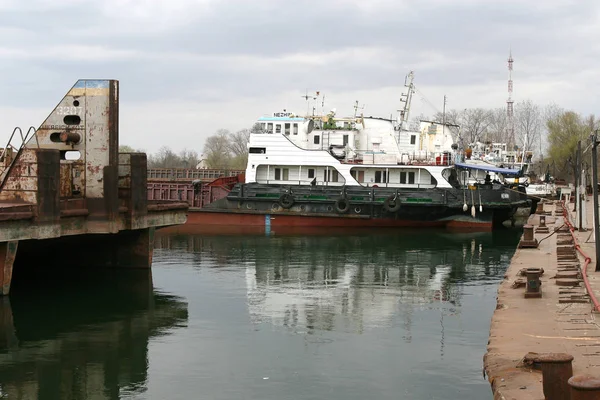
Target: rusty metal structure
(189, 174)
(65, 186)
(197, 193)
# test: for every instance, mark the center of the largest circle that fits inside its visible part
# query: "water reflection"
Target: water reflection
(82, 337)
(355, 281)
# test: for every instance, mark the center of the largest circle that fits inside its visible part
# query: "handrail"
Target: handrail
(24, 140)
(588, 260)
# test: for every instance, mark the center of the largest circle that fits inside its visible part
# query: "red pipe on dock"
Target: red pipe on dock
(587, 262)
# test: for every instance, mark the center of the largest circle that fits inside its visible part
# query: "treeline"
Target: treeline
(223, 150)
(551, 132)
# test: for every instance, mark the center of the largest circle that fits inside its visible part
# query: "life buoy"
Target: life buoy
(286, 200)
(391, 204)
(342, 205)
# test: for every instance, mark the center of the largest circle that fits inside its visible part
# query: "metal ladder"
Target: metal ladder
(9, 150)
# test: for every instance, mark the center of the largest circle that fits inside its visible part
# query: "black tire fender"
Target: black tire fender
(342, 205)
(391, 204)
(286, 200)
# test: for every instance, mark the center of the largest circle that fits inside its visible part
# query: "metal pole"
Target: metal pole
(595, 187)
(579, 183)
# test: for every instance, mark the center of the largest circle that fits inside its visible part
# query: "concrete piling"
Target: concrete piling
(584, 387)
(557, 368)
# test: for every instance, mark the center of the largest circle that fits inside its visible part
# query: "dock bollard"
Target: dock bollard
(528, 240)
(540, 208)
(542, 228)
(557, 368)
(584, 387)
(534, 285)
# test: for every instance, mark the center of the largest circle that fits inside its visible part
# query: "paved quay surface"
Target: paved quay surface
(562, 321)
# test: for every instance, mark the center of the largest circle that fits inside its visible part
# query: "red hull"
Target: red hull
(221, 222)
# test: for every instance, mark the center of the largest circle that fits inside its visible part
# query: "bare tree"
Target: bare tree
(165, 158)
(475, 122)
(217, 150)
(497, 130)
(451, 117)
(528, 124)
(189, 158)
(238, 146)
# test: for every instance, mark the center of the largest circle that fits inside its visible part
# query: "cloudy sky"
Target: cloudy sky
(189, 67)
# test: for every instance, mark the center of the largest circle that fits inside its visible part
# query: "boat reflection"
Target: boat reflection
(352, 281)
(83, 337)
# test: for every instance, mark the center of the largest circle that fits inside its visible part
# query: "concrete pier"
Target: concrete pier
(525, 329)
(69, 198)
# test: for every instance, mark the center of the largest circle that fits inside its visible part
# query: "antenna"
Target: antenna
(356, 108)
(306, 97)
(509, 105)
(444, 120)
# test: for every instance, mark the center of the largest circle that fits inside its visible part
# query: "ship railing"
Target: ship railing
(321, 184)
(189, 174)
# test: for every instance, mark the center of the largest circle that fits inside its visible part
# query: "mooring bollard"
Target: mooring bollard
(542, 228)
(584, 387)
(534, 285)
(528, 240)
(540, 208)
(557, 368)
(528, 232)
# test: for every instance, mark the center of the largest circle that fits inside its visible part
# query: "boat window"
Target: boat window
(278, 128)
(380, 177)
(257, 150)
(316, 139)
(330, 175)
(345, 138)
(433, 181)
(295, 131)
(311, 172)
(270, 127)
(411, 177)
(286, 174)
(413, 139)
(277, 174)
(403, 177)
(287, 129)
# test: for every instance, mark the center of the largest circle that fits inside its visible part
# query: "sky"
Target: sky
(190, 67)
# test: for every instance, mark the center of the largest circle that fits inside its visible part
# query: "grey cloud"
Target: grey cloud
(238, 49)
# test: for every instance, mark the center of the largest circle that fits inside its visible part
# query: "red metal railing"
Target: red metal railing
(197, 196)
(189, 174)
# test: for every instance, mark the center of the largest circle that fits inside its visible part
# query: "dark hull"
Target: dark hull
(256, 207)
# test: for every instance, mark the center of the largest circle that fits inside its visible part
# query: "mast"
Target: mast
(509, 106)
(406, 99)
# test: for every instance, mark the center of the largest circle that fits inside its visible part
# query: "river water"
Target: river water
(352, 315)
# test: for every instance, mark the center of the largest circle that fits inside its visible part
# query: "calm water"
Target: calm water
(367, 315)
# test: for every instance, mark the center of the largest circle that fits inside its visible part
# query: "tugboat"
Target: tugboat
(320, 170)
(287, 185)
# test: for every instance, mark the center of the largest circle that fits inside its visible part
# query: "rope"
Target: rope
(526, 194)
(555, 230)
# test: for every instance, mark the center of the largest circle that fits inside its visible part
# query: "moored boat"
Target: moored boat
(287, 185)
